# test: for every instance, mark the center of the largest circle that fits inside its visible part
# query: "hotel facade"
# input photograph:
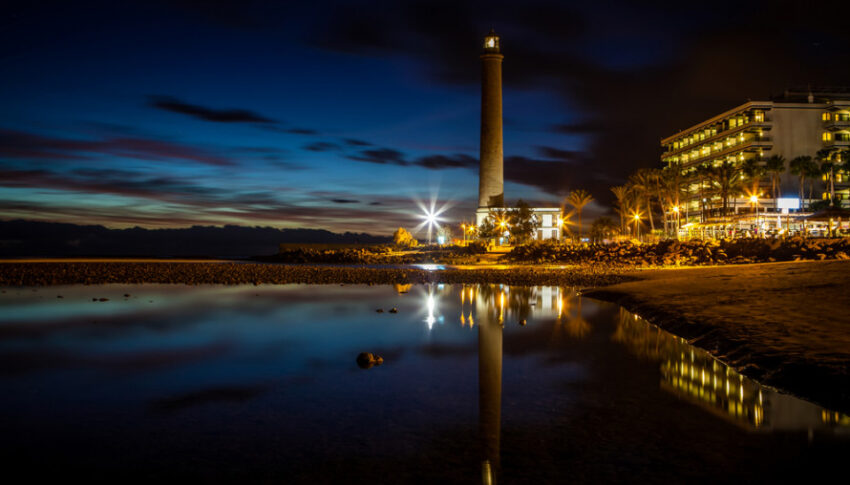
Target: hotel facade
(799, 123)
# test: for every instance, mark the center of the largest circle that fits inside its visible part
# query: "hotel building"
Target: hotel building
(798, 123)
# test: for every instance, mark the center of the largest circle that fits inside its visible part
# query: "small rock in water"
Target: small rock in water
(522, 322)
(394, 310)
(94, 299)
(126, 295)
(366, 360)
(59, 296)
(103, 299)
(379, 310)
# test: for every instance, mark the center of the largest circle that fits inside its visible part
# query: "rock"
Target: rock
(59, 296)
(365, 360)
(126, 295)
(103, 299)
(394, 310)
(379, 310)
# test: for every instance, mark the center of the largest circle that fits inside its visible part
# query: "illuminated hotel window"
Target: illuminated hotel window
(758, 115)
(733, 123)
(825, 117)
(741, 156)
(827, 136)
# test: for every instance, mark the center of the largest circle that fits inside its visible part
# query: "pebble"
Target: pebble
(367, 359)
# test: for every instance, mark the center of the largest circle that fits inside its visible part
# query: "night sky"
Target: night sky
(340, 115)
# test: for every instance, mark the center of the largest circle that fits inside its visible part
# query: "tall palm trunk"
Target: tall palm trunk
(649, 209)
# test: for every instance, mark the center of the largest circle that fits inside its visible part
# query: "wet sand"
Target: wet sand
(786, 325)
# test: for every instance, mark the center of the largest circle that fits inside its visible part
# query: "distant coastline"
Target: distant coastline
(23, 238)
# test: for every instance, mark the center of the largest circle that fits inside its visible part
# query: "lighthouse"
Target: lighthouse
(491, 168)
(491, 192)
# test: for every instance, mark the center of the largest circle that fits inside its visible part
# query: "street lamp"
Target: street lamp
(754, 199)
(637, 227)
(678, 222)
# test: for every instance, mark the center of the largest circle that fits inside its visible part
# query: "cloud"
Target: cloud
(383, 156)
(439, 162)
(559, 154)
(21, 145)
(300, 131)
(355, 142)
(550, 176)
(321, 146)
(167, 103)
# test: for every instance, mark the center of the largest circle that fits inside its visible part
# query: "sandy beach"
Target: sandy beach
(785, 325)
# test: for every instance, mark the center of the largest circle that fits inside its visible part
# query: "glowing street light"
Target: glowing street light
(431, 218)
(754, 199)
(678, 222)
(637, 226)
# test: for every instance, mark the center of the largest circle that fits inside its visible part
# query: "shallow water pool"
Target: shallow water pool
(480, 383)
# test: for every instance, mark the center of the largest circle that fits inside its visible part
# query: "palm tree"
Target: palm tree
(643, 183)
(621, 193)
(775, 165)
(726, 178)
(602, 228)
(578, 199)
(801, 167)
(753, 169)
(827, 167)
(703, 175)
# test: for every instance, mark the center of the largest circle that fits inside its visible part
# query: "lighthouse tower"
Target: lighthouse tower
(491, 191)
(491, 170)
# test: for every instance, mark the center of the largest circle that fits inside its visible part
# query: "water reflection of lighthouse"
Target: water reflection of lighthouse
(490, 325)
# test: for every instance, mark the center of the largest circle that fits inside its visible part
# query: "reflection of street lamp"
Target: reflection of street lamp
(463, 228)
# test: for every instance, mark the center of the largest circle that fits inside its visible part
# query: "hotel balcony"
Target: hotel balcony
(845, 143)
(764, 125)
(836, 125)
(752, 144)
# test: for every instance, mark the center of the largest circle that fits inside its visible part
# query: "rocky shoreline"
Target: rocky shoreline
(226, 273)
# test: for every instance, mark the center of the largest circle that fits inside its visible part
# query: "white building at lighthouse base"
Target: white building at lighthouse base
(548, 221)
